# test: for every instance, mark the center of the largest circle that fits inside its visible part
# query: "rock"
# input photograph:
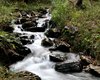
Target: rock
(36, 29)
(6, 27)
(25, 75)
(17, 21)
(57, 58)
(29, 24)
(23, 51)
(95, 70)
(52, 24)
(25, 40)
(69, 67)
(9, 29)
(23, 13)
(23, 20)
(47, 42)
(32, 37)
(53, 33)
(61, 46)
(76, 3)
(86, 60)
(71, 29)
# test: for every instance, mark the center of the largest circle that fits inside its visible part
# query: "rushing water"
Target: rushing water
(38, 61)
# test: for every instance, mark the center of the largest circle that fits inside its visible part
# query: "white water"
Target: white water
(38, 61)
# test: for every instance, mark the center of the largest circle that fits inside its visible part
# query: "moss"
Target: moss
(5, 74)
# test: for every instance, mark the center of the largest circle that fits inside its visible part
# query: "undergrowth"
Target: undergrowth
(86, 19)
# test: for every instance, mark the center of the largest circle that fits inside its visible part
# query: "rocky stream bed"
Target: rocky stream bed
(43, 52)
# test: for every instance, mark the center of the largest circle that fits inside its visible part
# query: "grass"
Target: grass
(7, 7)
(88, 22)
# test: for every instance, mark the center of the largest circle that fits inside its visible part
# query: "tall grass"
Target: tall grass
(87, 20)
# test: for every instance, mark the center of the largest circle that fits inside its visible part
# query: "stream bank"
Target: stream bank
(49, 54)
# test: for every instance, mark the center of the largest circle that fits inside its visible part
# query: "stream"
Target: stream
(38, 62)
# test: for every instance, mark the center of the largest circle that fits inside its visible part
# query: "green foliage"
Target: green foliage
(87, 21)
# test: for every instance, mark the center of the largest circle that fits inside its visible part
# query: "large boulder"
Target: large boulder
(61, 46)
(11, 50)
(47, 42)
(25, 40)
(69, 67)
(57, 57)
(53, 33)
(29, 24)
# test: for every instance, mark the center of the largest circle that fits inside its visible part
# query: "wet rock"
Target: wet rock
(95, 70)
(69, 67)
(32, 37)
(61, 46)
(56, 58)
(10, 56)
(17, 21)
(23, 13)
(25, 75)
(76, 3)
(25, 40)
(29, 24)
(53, 33)
(47, 42)
(23, 20)
(24, 51)
(42, 12)
(36, 29)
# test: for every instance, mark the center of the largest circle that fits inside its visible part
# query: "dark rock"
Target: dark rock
(94, 70)
(56, 58)
(24, 51)
(24, 37)
(26, 41)
(42, 11)
(17, 21)
(23, 20)
(32, 37)
(53, 33)
(61, 46)
(9, 29)
(47, 42)
(23, 13)
(36, 29)
(69, 67)
(27, 25)
(52, 24)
